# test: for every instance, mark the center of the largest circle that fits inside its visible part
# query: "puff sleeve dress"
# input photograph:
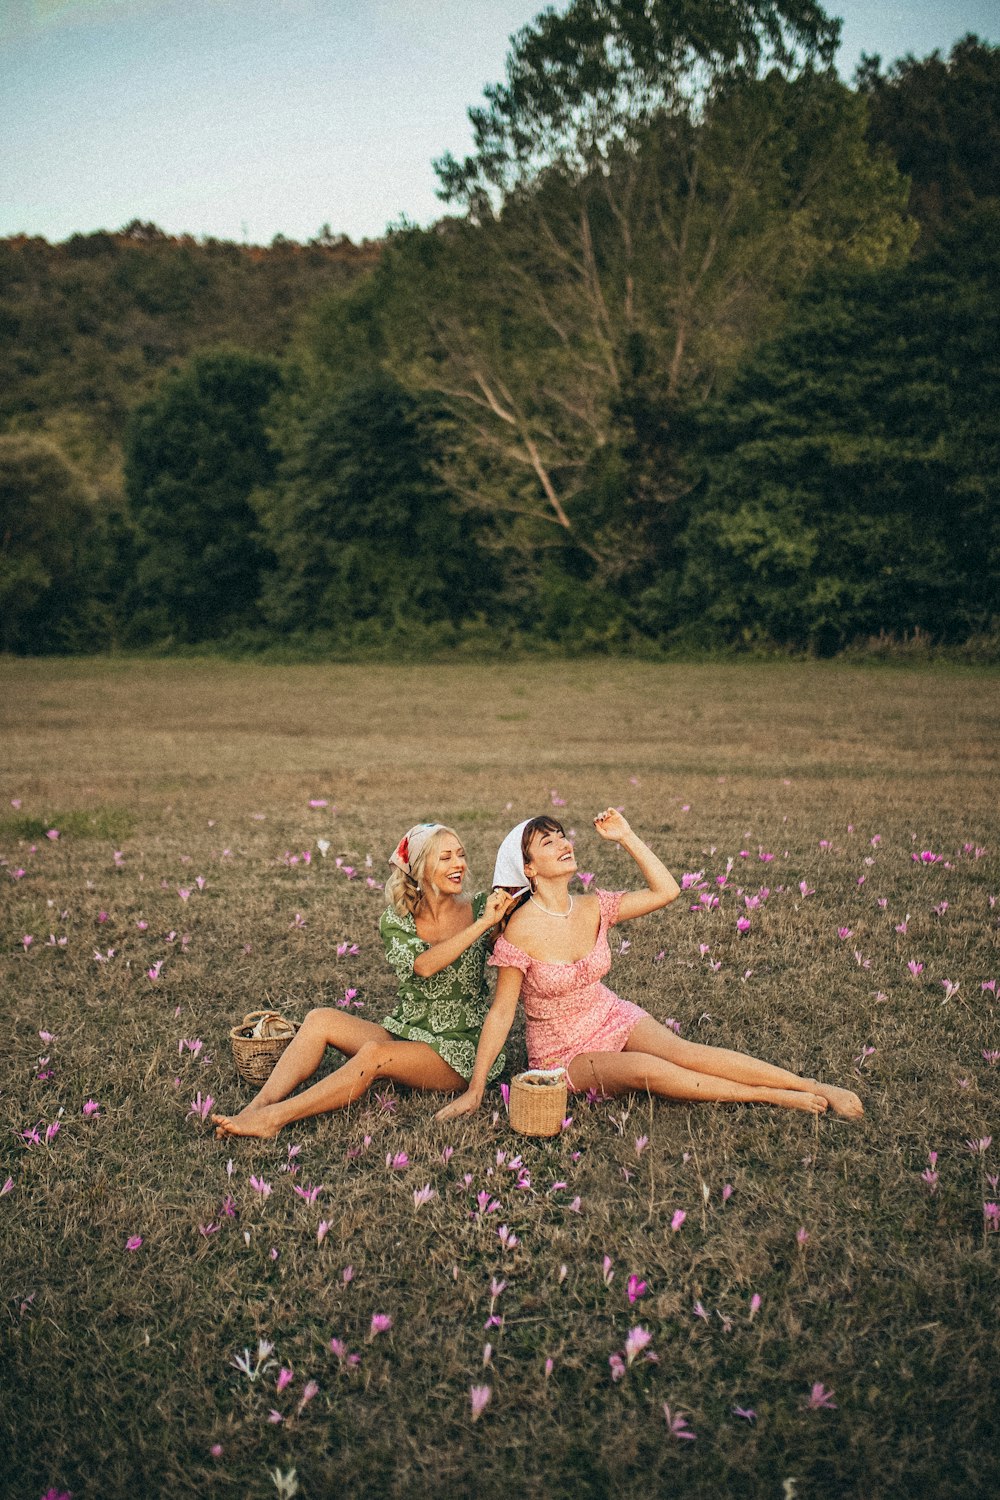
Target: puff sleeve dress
(447, 1009)
(567, 1009)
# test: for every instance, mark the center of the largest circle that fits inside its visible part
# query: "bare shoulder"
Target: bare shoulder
(518, 927)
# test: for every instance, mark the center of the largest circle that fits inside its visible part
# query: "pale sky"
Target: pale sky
(243, 119)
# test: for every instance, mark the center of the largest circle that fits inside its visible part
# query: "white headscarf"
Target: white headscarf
(509, 869)
(410, 847)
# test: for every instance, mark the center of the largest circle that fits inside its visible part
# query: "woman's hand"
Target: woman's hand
(465, 1104)
(611, 824)
(499, 904)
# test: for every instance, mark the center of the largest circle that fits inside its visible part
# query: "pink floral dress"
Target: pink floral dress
(568, 1010)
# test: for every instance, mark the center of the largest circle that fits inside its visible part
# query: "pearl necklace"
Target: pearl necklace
(548, 910)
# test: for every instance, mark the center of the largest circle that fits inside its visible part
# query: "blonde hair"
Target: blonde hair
(402, 889)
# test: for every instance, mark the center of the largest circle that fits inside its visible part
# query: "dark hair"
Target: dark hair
(544, 824)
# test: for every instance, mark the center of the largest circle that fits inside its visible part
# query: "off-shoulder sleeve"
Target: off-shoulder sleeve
(506, 956)
(401, 943)
(610, 903)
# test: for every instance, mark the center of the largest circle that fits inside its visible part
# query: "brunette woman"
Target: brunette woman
(554, 954)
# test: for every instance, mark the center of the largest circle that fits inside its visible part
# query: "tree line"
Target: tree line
(702, 354)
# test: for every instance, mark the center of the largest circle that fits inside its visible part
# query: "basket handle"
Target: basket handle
(258, 1015)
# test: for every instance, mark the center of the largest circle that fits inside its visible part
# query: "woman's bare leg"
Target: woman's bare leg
(719, 1062)
(322, 1028)
(412, 1063)
(628, 1072)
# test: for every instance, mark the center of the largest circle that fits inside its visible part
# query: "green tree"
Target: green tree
(49, 551)
(639, 207)
(194, 455)
(853, 471)
(361, 527)
(940, 118)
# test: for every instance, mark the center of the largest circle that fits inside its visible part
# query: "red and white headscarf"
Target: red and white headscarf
(410, 847)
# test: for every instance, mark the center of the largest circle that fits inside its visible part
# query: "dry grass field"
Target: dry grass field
(820, 1298)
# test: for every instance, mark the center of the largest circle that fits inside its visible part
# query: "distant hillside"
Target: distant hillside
(87, 327)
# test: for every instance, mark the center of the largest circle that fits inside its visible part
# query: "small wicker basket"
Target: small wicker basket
(258, 1041)
(538, 1101)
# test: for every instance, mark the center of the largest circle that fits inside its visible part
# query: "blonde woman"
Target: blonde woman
(553, 956)
(437, 940)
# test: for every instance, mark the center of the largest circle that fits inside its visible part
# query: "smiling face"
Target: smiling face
(443, 866)
(548, 853)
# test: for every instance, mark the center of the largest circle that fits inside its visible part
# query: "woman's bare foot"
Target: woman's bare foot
(812, 1104)
(843, 1103)
(260, 1121)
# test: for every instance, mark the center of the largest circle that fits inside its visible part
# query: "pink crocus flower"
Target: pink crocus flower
(677, 1424)
(51, 1131)
(7, 1187)
(322, 1230)
(607, 1270)
(742, 925)
(398, 1162)
(285, 1378)
(307, 1194)
(678, 1219)
(802, 1235)
(991, 1217)
(309, 1390)
(746, 1412)
(635, 1289)
(637, 1340)
(754, 1305)
(52, 833)
(381, 1323)
(27, 941)
(260, 1186)
(617, 1366)
(425, 1194)
(641, 1142)
(549, 1366)
(915, 968)
(134, 1242)
(479, 1398)
(819, 1398)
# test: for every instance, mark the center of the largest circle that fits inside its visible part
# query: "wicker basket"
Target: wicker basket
(258, 1041)
(538, 1102)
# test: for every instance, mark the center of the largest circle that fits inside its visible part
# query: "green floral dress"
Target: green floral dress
(447, 1010)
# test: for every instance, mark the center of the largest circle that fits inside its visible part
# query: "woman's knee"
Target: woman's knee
(320, 1019)
(376, 1056)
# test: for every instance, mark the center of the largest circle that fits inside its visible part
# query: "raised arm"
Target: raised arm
(661, 887)
(496, 1029)
(432, 960)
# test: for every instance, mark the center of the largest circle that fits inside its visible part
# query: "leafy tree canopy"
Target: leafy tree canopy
(194, 455)
(579, 79)
(940, 117)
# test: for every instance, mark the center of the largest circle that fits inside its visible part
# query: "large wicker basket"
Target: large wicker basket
(258, 1041)
(538, 1101)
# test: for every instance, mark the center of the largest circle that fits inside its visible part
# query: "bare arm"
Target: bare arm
(432, 960)
(496, 1029)
(661, 889)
